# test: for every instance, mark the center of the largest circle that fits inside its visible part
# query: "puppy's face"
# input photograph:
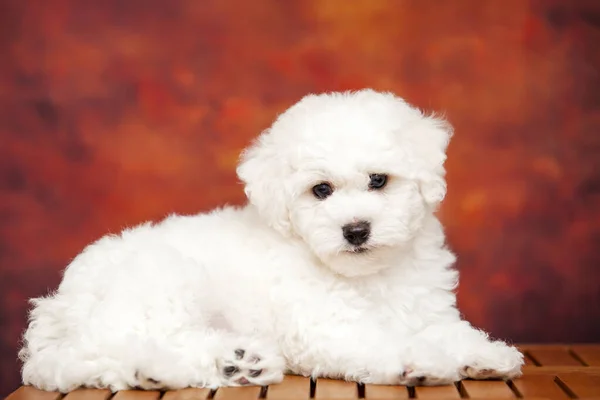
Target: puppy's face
(352, 221)
(352, 175)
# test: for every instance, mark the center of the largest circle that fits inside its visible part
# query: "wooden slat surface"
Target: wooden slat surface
(238, 393)
(582, 384)
(539, 386)
(437, 392)
(383, 392)
(590, 355)
(29, 393)
(137, 395)
(559, 372)
(556, 370)
(528, 361)
(336, 389)
(292, 388)
(552, 356)
(187, 394)
(89, 394)
(488, 389)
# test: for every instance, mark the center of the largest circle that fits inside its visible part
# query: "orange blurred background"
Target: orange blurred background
(115, 112)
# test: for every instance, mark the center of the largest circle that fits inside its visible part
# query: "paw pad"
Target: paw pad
(230, 370)
(255, 372)
(241, 367)
(239, 354)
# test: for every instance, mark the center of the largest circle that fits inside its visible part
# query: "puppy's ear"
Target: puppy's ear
(262, 170)
(433, 136)
(433, 189)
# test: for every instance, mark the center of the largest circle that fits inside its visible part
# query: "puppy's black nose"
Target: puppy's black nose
(357, 233)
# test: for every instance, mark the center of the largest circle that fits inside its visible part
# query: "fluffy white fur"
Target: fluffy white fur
(242, 295)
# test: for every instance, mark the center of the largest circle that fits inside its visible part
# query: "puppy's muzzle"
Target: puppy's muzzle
(357, 233)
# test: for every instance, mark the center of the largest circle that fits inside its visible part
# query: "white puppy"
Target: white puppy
(337, 267)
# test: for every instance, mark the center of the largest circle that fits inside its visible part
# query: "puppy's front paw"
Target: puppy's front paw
(147, 382)
(414, 376)
(496, 361)
(250, 365)
(475, 372)
(429, 365)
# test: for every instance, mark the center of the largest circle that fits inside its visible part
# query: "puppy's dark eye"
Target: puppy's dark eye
(322, 190)
(378, 181)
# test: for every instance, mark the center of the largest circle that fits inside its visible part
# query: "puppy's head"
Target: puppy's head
(352, 174)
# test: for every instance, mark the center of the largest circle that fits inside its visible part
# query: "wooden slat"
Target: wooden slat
(528, 361)
(137, 395)
(539, 386)
(582, 384)
(238, 393)
(383, 392)
(89, 394)
(552, 355)
(576, 369)
(336, 389)
(488, 389)
(31, 393)
(589, 354)
(292, 388)
(437, 392)
(187, 394)
(558, 369)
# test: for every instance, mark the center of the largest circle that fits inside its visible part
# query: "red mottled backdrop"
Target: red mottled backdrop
(114, 112)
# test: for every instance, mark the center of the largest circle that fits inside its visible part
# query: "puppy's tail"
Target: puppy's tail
(57, 358)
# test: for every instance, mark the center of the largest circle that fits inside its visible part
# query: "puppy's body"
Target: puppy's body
(239, 296)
